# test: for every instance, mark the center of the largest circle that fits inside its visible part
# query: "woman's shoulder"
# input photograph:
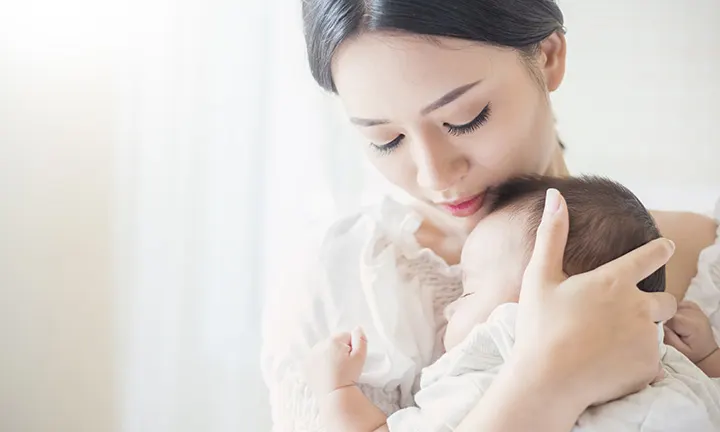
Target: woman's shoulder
(692, 233)
(688, 230)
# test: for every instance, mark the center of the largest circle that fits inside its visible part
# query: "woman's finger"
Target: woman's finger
(661, 375)
(640, 263)
(661, 305)
(546, 263)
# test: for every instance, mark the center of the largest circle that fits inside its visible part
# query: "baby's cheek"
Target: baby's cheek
(458, 327)
(467, 314)
(487, 300)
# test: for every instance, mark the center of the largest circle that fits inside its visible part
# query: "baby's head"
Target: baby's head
(606, 222)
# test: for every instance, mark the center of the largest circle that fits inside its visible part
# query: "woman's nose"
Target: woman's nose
(439, 164)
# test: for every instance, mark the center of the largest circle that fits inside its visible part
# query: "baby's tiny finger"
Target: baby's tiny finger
(681, 324)
(359, 343)
(685, 304)
(672, 339)
(341, 342)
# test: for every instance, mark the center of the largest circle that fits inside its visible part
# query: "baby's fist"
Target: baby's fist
(690, 333)
(336, 362)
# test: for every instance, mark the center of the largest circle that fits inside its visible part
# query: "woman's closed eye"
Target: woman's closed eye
(472, 125)
(455, 130)
(388, 147)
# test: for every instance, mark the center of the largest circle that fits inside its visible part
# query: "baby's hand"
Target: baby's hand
(689, 331)
(336, 362)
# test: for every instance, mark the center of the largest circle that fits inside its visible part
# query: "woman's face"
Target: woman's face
(446, 118)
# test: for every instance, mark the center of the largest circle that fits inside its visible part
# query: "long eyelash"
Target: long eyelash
(474, 124)
(388, 148)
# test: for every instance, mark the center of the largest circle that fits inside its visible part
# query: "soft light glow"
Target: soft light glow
(38, 29)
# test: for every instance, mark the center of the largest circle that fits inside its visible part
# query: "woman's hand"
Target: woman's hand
(595, 332)
(579, 341)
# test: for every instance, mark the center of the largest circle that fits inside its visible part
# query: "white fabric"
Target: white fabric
(365, 260)
(705, 286)
(226, 156)
(371, 273)
(687, 400)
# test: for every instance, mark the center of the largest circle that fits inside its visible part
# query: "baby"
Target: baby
(606, 221)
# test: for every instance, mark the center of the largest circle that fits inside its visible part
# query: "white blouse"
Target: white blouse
(372, 272)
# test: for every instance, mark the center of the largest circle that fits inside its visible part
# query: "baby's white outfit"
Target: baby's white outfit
(686, 400)
(370, 271)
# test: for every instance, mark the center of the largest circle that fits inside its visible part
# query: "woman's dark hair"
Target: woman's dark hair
(518, 24)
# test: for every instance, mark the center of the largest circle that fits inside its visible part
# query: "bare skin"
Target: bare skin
(395, 78)
(538, 389)
(446, 119)
(690, 232)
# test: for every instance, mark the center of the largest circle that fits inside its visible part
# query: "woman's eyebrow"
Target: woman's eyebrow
(450, 96)
(367, 122)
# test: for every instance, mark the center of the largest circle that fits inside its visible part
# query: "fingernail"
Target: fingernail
(672, 245)
(552, 202)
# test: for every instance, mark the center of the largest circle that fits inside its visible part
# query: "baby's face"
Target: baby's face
(493, 262)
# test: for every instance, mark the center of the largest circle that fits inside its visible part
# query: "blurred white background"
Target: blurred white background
(162, 163)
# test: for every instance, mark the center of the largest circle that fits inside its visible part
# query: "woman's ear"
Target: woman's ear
(551, 60)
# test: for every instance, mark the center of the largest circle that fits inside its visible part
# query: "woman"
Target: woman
(453, 98)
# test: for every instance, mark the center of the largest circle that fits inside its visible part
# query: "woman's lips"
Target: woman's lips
(464, 207)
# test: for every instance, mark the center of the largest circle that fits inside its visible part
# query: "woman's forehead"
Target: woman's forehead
(375, 69)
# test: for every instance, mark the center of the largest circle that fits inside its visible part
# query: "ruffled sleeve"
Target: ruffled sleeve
(705, 286)
(351, 279)
(300, 307)
(293, 321)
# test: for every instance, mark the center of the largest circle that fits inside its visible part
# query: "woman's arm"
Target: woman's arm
(524, 397)
(556, 373)
(691, 233)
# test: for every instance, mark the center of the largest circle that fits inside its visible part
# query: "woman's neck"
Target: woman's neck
(557, 167)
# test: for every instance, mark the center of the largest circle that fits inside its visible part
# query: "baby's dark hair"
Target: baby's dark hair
(606, 219)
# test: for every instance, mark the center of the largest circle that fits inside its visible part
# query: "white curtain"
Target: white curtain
(224, 161)
(162, 163)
